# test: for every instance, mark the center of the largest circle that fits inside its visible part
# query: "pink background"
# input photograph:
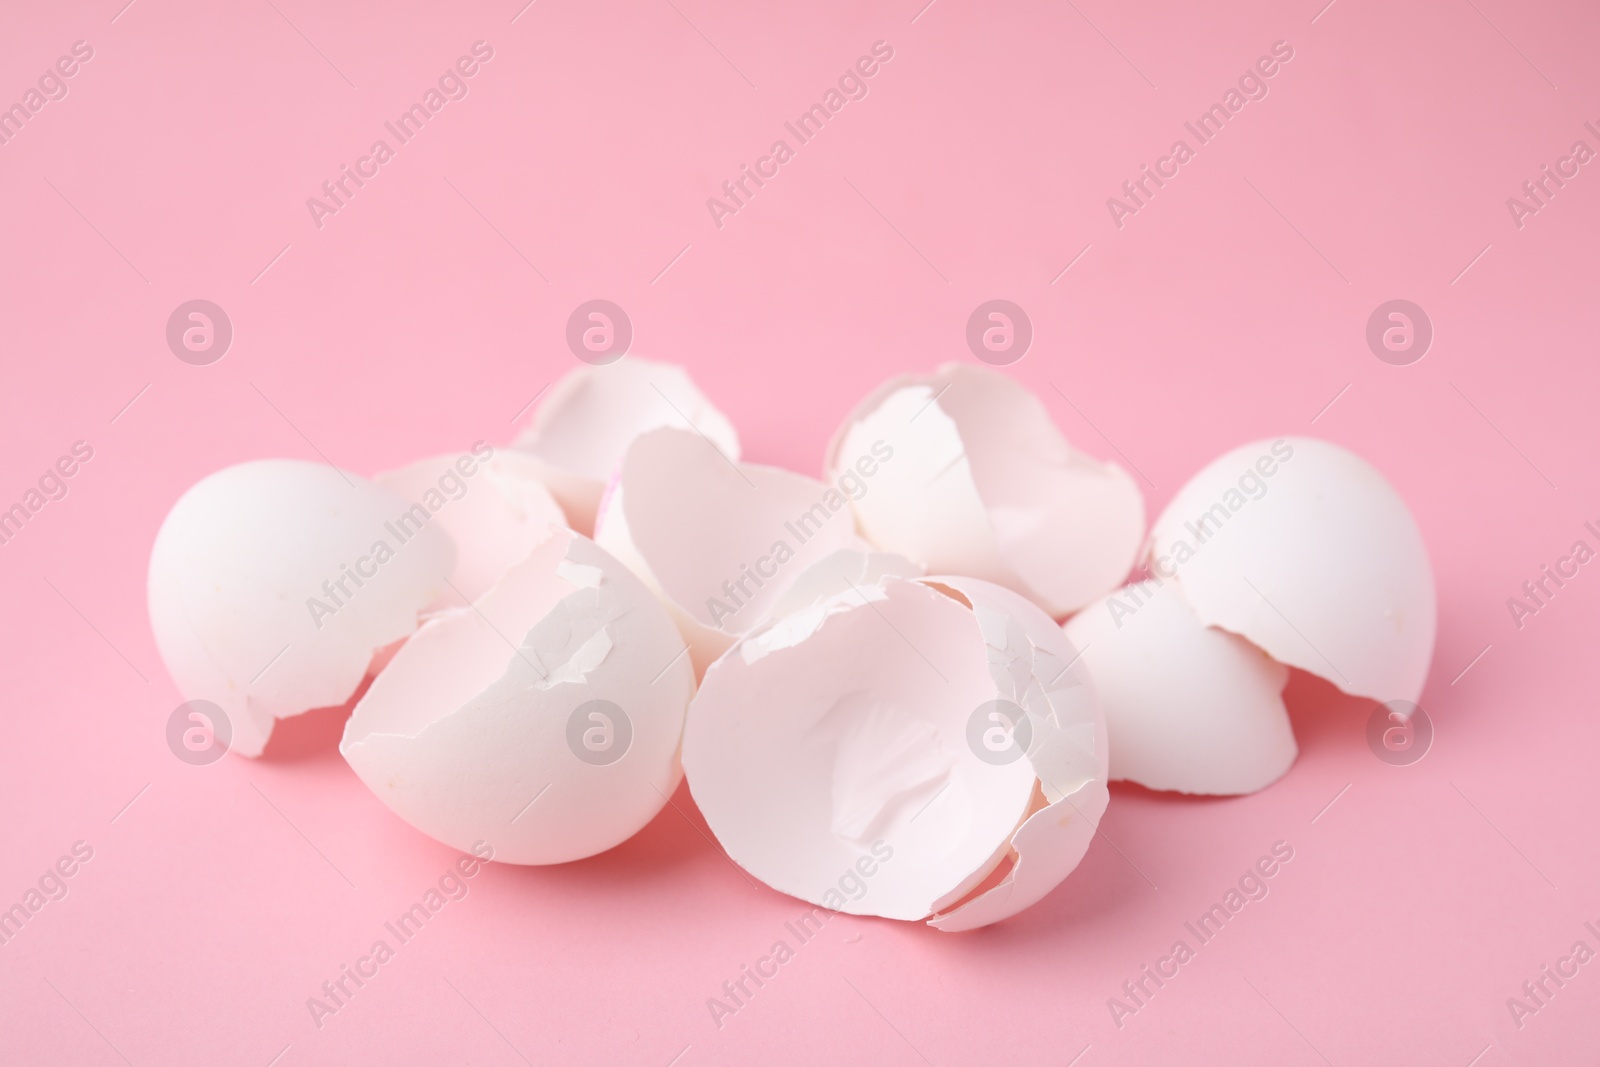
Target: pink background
(414, 321)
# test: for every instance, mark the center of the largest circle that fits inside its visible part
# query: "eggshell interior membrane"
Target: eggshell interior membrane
(718, 542)
(834, 741)
(581, 429)
(272, 584)
(982, 483)
(1304, 549)
(465, 735)
(1189, 708)
(492, 504)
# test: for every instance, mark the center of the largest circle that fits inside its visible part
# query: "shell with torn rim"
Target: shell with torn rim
(274, 584)
(983, 483)
(1302, 548)
(912, 748)
(1188, 707)
(718, 541)
(543, 721)
(491, 503)
(581, 429)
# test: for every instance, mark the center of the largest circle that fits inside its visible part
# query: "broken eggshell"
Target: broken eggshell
(838, 572)
(983, 483)
(717, 541)
(1188, 708)
(848, 745)
(492, 504)
(273, 585)
(1302, 548)
(582, 428)
(544, 720)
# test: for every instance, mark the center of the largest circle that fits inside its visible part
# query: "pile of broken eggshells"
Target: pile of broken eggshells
(867, 672)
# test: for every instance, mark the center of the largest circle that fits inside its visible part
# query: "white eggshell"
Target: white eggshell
(1319, 563)
(838, 572)
(836, 740)
(581, 429)
(717, 541)
(982, 483)
(492, 504)
(468, 733)
(1032, 665)
(1188, 707)
(251, 597)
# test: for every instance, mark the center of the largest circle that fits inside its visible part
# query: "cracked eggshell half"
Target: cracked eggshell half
(983, 483)
(717, 541)
(492, 504)
(273, 585)
(544, 721)
(1032, 666)
(1189, 708)
(833, 753)
(582, 428)
(1305, 550)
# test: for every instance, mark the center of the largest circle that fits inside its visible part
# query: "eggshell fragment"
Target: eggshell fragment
(838, 572)
(484, 727)
(717, 541)
(830, 749)
(983, 483)
(1303, 548)
(492, 504)
(581, 429)
(1189, 708)
(273, 584)
(1033, 666)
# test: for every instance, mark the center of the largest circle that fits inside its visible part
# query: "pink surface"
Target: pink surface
(431, 308)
